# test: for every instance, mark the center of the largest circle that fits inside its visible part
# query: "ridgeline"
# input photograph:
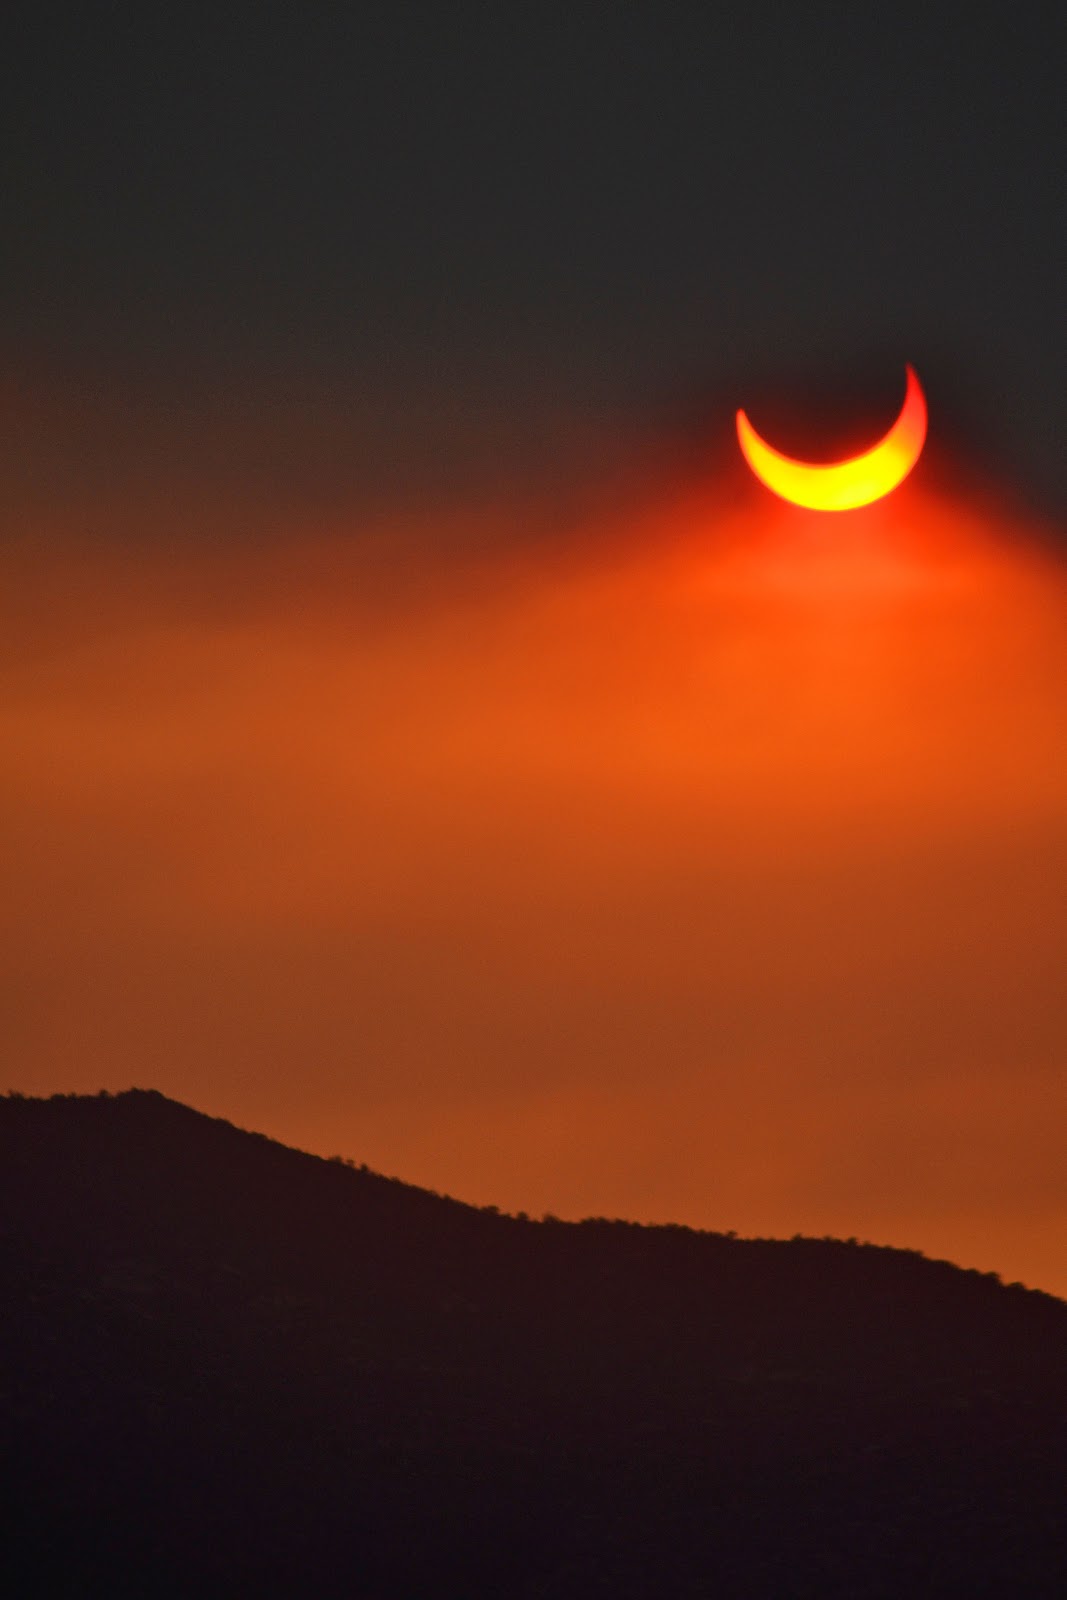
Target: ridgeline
(230, 1368)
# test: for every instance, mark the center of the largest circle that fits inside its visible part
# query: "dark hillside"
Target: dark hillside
(231, 1368)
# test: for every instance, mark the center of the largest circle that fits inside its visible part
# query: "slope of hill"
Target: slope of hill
(229, 1368)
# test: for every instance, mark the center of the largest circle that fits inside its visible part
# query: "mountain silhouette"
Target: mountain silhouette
(230, 1368)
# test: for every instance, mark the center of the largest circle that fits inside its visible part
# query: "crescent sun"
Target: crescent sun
(841, 485)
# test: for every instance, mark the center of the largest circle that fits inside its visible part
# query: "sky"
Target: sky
(421, 739)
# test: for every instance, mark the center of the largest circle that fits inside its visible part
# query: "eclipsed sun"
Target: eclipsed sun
(842, 485)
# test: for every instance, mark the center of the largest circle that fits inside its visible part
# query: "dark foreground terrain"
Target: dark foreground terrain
(228, 1368)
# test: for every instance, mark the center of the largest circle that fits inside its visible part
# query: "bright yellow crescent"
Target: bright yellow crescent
(841, 485)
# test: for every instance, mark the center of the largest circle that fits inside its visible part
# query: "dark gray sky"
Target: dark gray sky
(652, 849)
(634, 209)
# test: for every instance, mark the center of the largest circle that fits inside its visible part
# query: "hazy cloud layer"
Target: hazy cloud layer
(664, 853)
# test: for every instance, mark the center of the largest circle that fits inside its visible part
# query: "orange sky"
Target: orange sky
(689, 857)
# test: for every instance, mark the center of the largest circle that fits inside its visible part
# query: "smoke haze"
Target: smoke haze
(634, 845)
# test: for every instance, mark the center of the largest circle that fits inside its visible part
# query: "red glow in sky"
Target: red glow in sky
(699, 864)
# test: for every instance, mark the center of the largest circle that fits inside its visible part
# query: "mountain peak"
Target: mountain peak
(234, 1366)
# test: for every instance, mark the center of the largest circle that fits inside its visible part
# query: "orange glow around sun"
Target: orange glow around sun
(611, 845)
(842, 485)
